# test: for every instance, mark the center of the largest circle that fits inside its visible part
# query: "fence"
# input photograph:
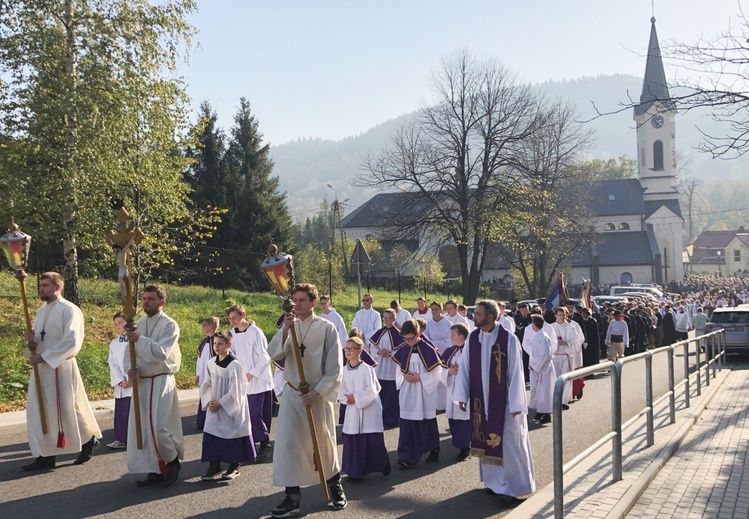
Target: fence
(617, 428)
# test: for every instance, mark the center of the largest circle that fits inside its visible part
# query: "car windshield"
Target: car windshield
(730, 317)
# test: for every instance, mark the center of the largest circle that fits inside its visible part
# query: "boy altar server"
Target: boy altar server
(205, 353)
(493, 385)
(364, 448)
(250, 348)
(227, 434)
(417, 379)
(118, 348)
(383, 345)
(459, 420)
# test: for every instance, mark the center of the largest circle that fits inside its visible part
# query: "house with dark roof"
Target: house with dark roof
(639, 219)
(720, 253)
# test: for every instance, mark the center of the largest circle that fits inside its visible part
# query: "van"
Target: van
(615, 291)
(735, 322)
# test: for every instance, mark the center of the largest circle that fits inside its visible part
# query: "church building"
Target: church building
(640, 219)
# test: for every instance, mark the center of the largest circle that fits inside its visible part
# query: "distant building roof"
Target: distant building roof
(619, 249)
(383, 210)
(654, 85)
(617, 197)
(708, 243)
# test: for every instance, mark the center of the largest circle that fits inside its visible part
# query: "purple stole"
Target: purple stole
(430, 357)
(209, 341)
(449, 353)
(486, 440)
(395, 337)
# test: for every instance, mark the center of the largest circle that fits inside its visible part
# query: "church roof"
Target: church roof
(619, 249)
(385, 209)
(617, 197)
(652, 206)
(654, 85)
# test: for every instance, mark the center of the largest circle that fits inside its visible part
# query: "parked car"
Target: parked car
(599, 300)
(615, 291)
(735, 322)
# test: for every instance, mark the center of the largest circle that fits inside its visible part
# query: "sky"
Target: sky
(332, 69)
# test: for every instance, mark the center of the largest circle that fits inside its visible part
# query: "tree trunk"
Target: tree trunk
(70, 273)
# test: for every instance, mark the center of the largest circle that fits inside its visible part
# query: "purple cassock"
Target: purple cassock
(363, 454)
(461, 430)
(121, 416)
(417, 437)
(389, 391)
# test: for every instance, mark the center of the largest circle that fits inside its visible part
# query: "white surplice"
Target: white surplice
(418, 400)
(543, 377)
(250, 348)
(157, 357)
(508, 323)
(566, 357)
(368, 321)
(118, 348)
(516, 476)
(401, 316)
(452, 411)
(439, 333)
(335, 318)
(365, 414)
(293, 464)
(62, 323)
(206, 355)
(228, 387)
(457, 318)
(427, 315)
(386, 367)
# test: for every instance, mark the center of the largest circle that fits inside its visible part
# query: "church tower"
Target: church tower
(655, 116)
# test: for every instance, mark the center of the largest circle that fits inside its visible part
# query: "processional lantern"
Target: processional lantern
(279, 269)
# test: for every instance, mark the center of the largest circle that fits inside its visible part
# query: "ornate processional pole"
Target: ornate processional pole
(124, 235)
(279, 269)
(16, 247)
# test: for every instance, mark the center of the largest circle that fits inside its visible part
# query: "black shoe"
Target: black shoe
(232, 471)
(40, 463)
(464, 455)
(388, 468)
(338, 496)
(434, 456)
(87, 450)
(546, 418)
(288, 507)
(264, 450)
(152, 478)
(537, 417)
(173, 474)
(580, 395)
(406, 464)
(213, 472)
(565, 407)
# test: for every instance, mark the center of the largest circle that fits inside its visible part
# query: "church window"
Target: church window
(626, 277)
(658, 155)
(624, 226)
(609, 227)
(643, 161)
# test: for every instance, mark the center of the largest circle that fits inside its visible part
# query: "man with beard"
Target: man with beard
(58, 332)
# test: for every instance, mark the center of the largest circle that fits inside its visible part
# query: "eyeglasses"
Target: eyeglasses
(408, 339)
(366, 300)
(350, 349)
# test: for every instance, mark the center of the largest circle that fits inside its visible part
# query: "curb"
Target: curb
(542, 502)
(632, 495)
(14, 422)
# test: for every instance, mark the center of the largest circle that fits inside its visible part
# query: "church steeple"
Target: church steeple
(654, 86)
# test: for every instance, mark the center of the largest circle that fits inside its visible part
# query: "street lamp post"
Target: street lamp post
(720, 273)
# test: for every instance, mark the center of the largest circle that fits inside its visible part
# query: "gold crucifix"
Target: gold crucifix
(121, 239)
(498, 357)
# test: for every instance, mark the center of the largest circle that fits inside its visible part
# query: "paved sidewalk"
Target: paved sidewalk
(708, 476)
(589, 490)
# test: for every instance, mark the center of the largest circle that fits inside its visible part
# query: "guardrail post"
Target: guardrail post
(715, 359)
(616, 421)
(558, 451)
(649, 397)
(686, 374)
(707, 361)
(699, 368)
(723, 349)
(672, 397)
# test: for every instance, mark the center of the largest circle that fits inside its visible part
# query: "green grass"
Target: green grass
(188, 305)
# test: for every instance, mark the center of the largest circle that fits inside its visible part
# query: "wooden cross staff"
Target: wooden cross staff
(121, 239)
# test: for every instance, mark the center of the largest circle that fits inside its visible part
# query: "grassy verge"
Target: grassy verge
(187, 305)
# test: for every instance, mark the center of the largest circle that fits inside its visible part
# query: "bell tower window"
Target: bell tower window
(658, 156)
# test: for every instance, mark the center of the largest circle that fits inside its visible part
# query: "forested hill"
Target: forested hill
(305, 166)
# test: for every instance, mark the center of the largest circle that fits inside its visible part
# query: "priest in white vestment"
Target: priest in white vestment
(71, 426)
(157, 359)
(293, 458)
(543, 377)
(367, 320)
(513, 475)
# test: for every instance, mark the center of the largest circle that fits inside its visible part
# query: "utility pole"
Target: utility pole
(337, 209)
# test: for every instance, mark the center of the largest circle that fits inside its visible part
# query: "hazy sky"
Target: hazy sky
(332, 69)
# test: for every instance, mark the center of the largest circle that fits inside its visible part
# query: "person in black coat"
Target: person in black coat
(669, 327)
(592, 348)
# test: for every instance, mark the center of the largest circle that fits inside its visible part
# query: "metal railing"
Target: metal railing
(717, 361)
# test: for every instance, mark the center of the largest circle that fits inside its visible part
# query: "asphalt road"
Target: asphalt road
(102, 488)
